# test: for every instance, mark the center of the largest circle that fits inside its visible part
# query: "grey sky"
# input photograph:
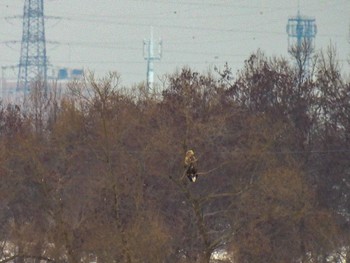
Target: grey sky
(107, 35)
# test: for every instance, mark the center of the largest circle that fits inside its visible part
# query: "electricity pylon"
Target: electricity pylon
(33, 60)
(301, 32)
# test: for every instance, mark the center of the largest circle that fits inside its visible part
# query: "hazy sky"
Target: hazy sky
(107, 35)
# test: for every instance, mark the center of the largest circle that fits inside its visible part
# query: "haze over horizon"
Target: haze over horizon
(104, 36)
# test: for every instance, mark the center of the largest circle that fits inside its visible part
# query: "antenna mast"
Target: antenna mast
(148, 53)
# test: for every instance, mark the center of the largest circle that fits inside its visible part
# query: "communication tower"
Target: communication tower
(33, 61)
(148, 53)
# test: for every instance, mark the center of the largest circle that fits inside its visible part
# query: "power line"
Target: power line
(109, 21)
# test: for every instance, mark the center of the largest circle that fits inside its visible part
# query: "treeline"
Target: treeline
(98, 175)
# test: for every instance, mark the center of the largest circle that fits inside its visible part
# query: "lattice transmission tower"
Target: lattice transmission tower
(33, 60)
(301, 32)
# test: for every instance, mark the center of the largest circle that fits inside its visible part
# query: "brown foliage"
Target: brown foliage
(102, 179)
